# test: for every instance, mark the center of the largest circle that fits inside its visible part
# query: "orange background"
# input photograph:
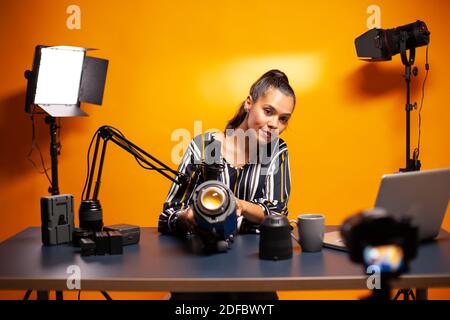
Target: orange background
(172, 63)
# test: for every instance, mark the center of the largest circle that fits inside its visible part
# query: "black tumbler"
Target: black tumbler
(275, 238)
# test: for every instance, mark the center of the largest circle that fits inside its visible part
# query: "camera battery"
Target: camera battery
(115, 242)
(130, 234)
(57, 219)
(87, 247)
(101, 243)
(79, 233)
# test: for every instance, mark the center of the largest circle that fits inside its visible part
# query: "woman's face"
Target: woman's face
(270, 114)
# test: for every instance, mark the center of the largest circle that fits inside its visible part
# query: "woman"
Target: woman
(261, 184)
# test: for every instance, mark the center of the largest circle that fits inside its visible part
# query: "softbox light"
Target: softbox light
(62, 77)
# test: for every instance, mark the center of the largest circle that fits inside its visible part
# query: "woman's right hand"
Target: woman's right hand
(187, 218)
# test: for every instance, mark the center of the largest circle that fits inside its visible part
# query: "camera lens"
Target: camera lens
(91, 215)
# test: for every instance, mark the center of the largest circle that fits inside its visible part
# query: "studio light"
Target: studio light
(214, 209)
(382, 44)
(62, 77)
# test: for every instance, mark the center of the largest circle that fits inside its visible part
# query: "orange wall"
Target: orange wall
(172, 63)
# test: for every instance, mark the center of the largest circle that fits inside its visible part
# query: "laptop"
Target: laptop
(422, 196)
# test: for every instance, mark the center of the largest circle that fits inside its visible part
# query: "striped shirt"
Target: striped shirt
(266, 183)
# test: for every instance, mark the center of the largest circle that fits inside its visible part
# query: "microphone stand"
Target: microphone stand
(90, 213)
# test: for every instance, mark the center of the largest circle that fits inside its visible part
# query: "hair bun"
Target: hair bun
(275, 73)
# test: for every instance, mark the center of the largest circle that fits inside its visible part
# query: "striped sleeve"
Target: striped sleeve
(179, 196)
(277, 185)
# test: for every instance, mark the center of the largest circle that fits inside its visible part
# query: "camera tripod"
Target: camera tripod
(407, 293)
(384, 292)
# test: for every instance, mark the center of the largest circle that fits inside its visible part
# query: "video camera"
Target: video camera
(374, 237)
(381, 242)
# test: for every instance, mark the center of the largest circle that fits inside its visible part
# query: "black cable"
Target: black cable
(35, 145)
(427, 68)
(79, 294)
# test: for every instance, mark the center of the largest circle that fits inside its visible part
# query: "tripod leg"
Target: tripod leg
(409, 293)
(106, 295)
(399, 292)
(27, 294)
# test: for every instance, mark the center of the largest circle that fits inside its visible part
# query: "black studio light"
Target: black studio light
(380, 45)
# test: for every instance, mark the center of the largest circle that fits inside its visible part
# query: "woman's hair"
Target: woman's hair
(271, 79)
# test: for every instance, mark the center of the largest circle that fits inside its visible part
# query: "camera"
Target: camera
(373, 237)
(376, 239)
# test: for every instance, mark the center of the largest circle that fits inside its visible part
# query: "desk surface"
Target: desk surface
(162, 263)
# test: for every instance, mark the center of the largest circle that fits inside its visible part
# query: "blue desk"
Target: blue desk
(162, 263)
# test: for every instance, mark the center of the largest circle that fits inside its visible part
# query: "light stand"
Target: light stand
(60, 79)
(380, 45)
(51, 121)
(54, 151)
(411, 164)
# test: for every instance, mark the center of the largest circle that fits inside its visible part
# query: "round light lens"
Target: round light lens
(212, 199)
